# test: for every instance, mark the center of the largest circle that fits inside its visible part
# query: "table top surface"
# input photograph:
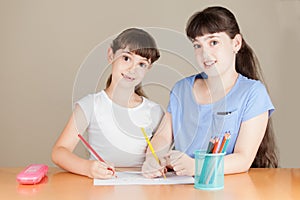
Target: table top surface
(264, 184)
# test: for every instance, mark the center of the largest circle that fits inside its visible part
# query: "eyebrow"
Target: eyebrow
(143, 58)
(207, 37)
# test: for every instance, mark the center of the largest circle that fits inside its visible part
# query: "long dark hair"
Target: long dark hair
(139, 42)
(218, 19)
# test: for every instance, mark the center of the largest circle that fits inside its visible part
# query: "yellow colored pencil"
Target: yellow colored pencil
(151, 148)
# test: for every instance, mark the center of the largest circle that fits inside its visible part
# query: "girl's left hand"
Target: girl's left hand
(181, 163)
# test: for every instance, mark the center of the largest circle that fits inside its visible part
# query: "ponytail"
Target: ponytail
(266, 156)
(248, 65)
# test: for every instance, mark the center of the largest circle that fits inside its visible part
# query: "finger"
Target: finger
(108, 174)
(146, 175)
(152, 175)
(165, 170)
(157, 174)
(176, 162)
(104, 173)
(163, 162)
(167, 160)
(102, 164)
(184, 172)
(151, 170)
(178, 167)
(108, 166)
(181, 172)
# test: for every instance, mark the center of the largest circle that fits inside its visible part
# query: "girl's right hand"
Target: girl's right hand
(151, 168)
(100, 170)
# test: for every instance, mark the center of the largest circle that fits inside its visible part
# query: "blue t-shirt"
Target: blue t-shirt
(195, 124)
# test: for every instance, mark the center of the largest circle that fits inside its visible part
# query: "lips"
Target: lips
(128, 77)
(209, 64)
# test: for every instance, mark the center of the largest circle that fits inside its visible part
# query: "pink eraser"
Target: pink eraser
(32, 174)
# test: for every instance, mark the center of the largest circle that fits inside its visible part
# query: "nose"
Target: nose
(205, 53)
(132, 67)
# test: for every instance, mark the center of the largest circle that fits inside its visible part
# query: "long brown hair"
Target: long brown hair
(139, 42)
(218, 19)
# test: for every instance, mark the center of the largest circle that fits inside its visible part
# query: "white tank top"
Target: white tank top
(115, 131)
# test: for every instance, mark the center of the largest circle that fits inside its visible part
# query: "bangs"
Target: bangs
(142, 48)
(150, 53)
(200, 25)
(138, 43)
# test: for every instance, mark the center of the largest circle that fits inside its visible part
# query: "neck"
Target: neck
(123, 96)
(213, 89)
(224, 82)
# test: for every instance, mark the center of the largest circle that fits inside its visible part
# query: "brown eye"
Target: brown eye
(214, 42)
(126, 58)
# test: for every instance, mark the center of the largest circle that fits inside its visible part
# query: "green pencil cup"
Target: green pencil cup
(209, 170)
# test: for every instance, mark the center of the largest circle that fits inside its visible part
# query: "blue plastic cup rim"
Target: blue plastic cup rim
(203, 153)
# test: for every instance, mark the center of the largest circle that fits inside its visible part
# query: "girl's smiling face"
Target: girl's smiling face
(215, 53)
(128, 68)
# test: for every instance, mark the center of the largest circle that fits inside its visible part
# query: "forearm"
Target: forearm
(161, 146)
(236, 163)
(70, 162)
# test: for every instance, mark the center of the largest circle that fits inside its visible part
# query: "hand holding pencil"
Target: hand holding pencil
(98, 168)
(181, 163)
(152, 162)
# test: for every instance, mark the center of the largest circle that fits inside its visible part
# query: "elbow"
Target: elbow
(237, 165)
(54, 156)
(245, 167)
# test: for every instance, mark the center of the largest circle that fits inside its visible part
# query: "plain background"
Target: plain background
(44, 43)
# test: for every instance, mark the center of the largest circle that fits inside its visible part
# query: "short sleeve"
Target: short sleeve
(258, 102)
(173, 101)
(87, 106)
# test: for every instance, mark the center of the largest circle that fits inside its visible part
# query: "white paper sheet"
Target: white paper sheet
(136, 178)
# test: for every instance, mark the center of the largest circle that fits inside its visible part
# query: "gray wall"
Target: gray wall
(43, 44)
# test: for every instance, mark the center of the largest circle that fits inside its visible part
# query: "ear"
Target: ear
(110, 55)
(237, 42)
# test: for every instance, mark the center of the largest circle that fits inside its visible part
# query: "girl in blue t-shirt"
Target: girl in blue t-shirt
(226, 97)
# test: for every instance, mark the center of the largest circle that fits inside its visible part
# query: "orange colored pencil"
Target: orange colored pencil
(216, 145)
(223, 142)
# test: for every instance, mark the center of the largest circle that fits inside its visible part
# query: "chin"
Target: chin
(211, 73)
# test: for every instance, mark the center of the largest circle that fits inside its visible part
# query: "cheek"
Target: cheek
(114, 69)
(228, 56)
(199, 60)
(141, 73)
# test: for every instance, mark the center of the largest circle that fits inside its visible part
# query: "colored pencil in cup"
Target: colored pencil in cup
(212, 176)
